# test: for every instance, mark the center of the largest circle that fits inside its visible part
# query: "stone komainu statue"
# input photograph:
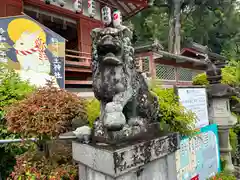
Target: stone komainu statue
(127, 105)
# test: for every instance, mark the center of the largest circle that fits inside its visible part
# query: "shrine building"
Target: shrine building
(74, 20)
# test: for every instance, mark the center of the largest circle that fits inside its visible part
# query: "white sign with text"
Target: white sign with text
(195, 100)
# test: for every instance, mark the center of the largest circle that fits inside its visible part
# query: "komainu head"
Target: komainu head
(111, 45)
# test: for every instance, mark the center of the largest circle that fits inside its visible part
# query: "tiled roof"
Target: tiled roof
(128, 8)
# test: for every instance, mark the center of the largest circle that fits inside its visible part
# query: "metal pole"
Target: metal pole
(6, 141)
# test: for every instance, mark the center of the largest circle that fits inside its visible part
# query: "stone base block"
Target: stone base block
(145, 160)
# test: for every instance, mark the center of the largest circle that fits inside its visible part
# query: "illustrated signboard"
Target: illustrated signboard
(35, 52)
(198, 157)
(195, 100)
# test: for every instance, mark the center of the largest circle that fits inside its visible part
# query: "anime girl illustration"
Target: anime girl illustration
(30, 47)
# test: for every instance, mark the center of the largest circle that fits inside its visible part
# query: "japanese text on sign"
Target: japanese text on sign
(195, 100)
(56, 62)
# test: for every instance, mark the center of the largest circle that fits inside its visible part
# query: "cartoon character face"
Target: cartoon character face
(26, 41)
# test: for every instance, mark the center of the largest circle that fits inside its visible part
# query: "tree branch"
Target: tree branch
(187, 15)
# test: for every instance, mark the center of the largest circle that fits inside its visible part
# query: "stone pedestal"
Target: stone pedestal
(152, 159)
(225, 147)
(220, 114)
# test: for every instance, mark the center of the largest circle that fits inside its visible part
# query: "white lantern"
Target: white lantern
(106, 15)
(117, 18)
(91, 8)
(77, 6)
(61, 2)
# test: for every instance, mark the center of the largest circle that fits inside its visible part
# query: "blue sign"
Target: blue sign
(199, 155)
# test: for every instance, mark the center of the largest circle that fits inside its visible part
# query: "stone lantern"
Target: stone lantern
(219, 110)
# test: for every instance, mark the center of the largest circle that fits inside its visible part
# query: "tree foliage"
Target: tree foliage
(214, 23)
(230, 75)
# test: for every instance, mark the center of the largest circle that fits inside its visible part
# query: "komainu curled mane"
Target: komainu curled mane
(127, 106)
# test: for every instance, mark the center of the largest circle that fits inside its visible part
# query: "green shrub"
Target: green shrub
(12, 89)
(45, 114)
(229, 76)
(48, 111)
(200, 79)
(234, 133)
(20, 102)
(223, 176)
(174, 115)
(32, 165)
(233, 140)
(93, 110)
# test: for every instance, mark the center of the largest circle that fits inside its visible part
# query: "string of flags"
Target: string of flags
(107, 15)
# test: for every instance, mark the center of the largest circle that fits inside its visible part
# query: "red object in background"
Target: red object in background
(89, 4)
(115, 16)
(195, 177)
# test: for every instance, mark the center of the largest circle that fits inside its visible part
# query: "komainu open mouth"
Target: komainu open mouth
(109, 50)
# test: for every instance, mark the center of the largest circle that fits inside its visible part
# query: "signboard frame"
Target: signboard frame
(49, 54)
(206, 121)
(198, 166)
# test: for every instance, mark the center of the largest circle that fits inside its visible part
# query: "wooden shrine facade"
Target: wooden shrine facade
(171, 69)
(74, 27)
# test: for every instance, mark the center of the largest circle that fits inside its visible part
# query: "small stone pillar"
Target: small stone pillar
(220, 113)
(152, 159)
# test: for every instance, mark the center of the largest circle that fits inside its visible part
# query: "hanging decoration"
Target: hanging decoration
(117, 18)
(106, 15)
(77, 5)
(91, 8)
(61, 2)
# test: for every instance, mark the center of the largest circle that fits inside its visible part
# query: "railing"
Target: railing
(77, 58)
(78, 62)
(7, 141)
(177, 75)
